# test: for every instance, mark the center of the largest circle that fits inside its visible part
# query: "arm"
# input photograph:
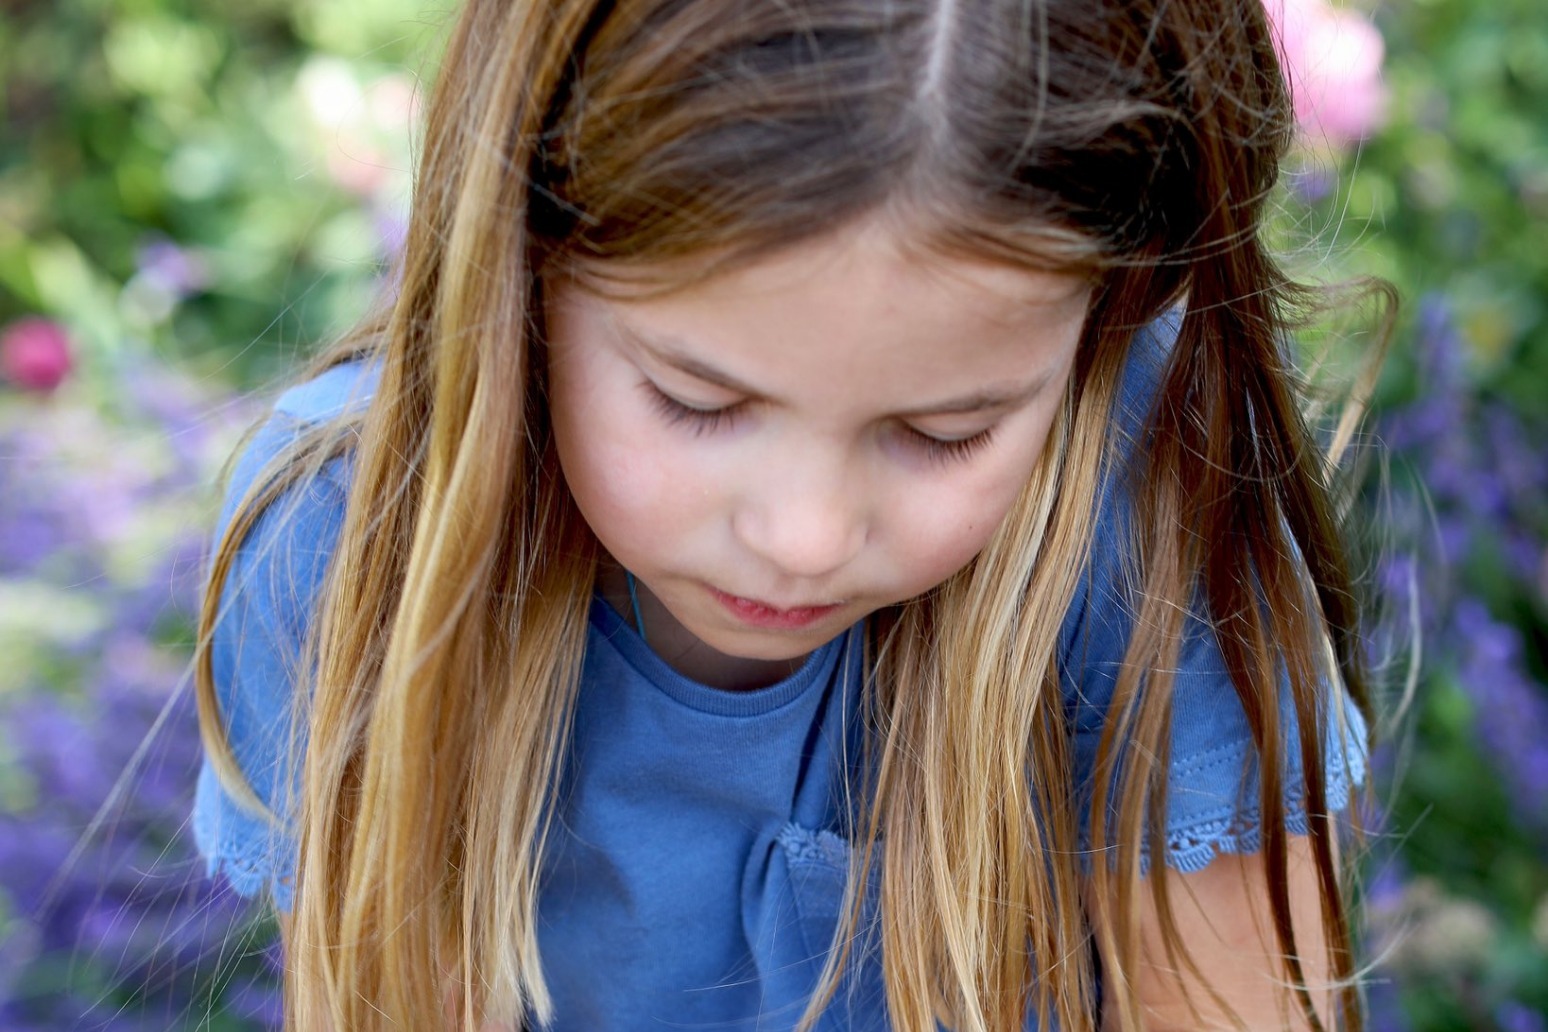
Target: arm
(1222, 917)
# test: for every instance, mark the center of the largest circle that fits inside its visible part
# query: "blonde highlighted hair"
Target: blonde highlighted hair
(1132, 141)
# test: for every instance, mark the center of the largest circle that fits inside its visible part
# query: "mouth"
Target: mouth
(762, 614)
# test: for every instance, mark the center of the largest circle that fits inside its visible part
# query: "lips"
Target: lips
(762, 614)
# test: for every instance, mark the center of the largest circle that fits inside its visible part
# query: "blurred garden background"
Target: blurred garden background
(195, 194)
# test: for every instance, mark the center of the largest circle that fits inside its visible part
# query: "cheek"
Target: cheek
(637, 503)
(941, 534)
(940, 531)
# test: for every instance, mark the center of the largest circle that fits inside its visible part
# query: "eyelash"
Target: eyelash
(704, 421)
(700, 421)
(951, 451)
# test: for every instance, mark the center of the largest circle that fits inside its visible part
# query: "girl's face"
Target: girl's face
(781, 450)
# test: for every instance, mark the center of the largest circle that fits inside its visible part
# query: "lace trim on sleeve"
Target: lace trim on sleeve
(1191, 848)
(242, 850)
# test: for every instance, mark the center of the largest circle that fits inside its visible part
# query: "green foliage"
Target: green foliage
(231, 130)
(1452, 195)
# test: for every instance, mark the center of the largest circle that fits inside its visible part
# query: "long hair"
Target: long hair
(1131, 141)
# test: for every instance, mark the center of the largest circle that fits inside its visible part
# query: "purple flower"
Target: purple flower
(1385, 893)
(1384, 1006)
(1479, 481)
(391, 229)
(171, 270)
(125, 902)
(1439, 346)
(1312, 183)
(111, 920)
(263, 1001)
(1518, 1017)
(1511, 709)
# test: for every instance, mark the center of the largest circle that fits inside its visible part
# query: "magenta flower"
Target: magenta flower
(35, 354)
(1332, 57)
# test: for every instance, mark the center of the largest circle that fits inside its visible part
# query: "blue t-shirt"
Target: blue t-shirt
(696, 873)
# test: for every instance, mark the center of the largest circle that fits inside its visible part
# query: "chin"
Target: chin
(773, 645)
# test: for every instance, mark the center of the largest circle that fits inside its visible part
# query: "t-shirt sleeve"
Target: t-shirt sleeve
(1213, 776)
(256, 653)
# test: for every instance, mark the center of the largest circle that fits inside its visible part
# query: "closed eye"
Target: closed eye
(709, 420)
(699, 420)
(947, 450)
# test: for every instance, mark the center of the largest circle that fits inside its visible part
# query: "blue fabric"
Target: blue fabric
(697, 871)
(256, 648)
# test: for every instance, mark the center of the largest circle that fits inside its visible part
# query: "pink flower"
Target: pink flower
(358, 166)
(1332, 57)
(35, 354)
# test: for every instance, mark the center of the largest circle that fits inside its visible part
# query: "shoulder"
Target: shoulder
(1144, 368)
(342, 390)
(281, 555)
(1094, 630)
(335, 394)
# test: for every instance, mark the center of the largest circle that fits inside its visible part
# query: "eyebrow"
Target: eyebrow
(983, 401)
(667, 353)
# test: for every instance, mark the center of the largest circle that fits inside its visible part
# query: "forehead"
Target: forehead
(855, 316)
(878, 253)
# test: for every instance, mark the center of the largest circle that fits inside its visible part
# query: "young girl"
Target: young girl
(823, 538)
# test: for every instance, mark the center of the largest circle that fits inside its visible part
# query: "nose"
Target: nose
(804, 522)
